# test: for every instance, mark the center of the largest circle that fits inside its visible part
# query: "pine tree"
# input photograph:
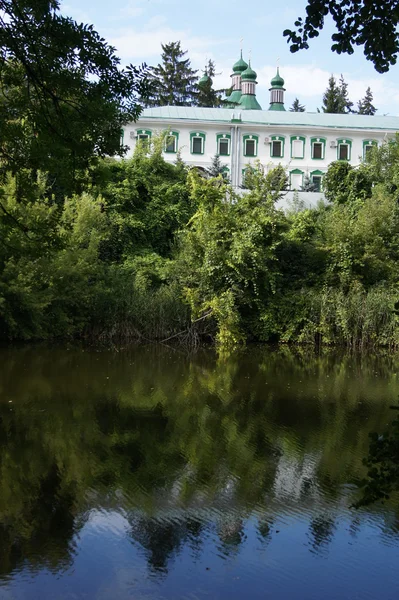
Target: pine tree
(207, 96)
(335, 98)
(346, 104)
(365, 106)
(332, 97)
(297, 107)
(173, 82)
(217, 168)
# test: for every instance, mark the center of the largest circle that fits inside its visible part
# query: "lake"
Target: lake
(154, 474)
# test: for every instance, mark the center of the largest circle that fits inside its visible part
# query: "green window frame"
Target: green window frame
(224, 137)
(297, 138)
(296, 172)
(246, 145)
(194, 136)
(318, 140)
(244, 172)
(317, 176)
(341, 144)
(226, 173)
(275, 140)
(368, 144)
(171, 142)
(143, 135)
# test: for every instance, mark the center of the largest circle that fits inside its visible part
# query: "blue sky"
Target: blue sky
(213, 29)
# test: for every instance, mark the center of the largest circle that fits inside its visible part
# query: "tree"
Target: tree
(332, 101)
(382, 462)
(308, 185)
(217, 168)
(335, 99)
(346, 104)
(365, 106)
(297, 107)
(358, 23)
(207, 96)
(63, 97)
(173, 82)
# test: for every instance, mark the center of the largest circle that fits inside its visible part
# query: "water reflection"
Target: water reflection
(214, 459)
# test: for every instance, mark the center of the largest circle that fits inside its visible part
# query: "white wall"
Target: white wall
(307, 164)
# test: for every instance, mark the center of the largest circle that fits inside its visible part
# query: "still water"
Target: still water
(150, 474)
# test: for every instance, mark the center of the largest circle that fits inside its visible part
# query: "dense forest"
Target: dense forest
(152, 250)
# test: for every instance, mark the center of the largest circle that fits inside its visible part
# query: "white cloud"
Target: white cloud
(146, 43)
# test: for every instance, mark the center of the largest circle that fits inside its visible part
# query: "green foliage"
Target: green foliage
(383, 466)
(153, 250)
(358, 23)
(335, 98)
(217, 168)
(207, 96)
(227, 256)
(297, 106)
(94, 264)
(173, 82)
(63, 97)
(365, 106)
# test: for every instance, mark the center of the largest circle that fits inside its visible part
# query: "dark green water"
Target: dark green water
(150, 474)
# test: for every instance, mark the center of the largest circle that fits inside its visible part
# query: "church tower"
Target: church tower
(277, 92)
(238, 68)
(248, 90)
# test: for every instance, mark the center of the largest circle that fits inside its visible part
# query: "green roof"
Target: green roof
(277, 80)
(204, 79)
(249, 102)
(277, 106)
(240, 65)
(234, 97)
(249, 74)
(271, 117)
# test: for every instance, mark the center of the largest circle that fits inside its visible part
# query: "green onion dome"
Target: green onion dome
(249, 74)
(277, 80)
(240, 65)
(204, 79)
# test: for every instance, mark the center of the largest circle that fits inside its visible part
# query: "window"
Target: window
(277, 147)
(367, 150)
(250, 145)
(223, 147)
(316, 178)
(296, 179)
(197, 142)
(245, 175)
(318, 146)
(367, 146)
(143, 135)
(297, 147)
(344, 149)
(250, 148)
(317, 150)
(343, 152)
(223, 144)
(171, 144)
(197, 145)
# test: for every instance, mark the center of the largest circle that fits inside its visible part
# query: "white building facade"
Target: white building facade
(304, 143)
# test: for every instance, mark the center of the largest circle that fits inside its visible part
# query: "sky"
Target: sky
(212, 29)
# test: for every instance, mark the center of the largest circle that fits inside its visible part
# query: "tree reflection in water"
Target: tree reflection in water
(184, 446)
